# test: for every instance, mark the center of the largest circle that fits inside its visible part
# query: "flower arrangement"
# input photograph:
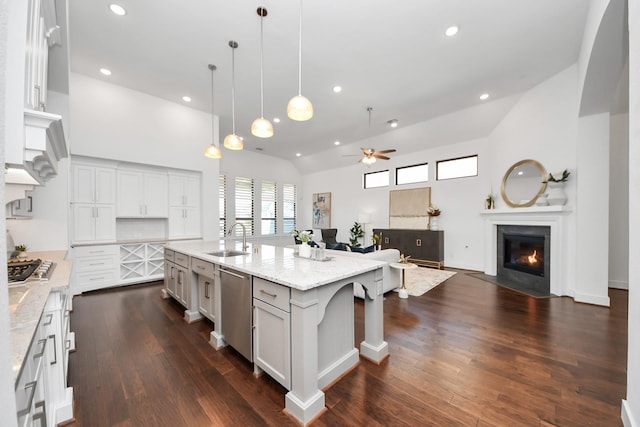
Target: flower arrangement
(490, 202)
(376, 239)
(563, 178)
(433, 210)
(304, 235)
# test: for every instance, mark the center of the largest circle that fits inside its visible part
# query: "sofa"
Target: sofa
(391, 277)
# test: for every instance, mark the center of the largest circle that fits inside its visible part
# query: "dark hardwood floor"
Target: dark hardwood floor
(467, 353)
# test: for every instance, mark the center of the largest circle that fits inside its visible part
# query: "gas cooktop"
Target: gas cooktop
(28, 270)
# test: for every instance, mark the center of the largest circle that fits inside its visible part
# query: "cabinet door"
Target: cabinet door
(83, 184)
(191, 219)
(271, 341)
(182, 286)
(176, 222)
(130, 194)
(170, 277)
(83, 222)
(105, 185)
(176, 190)
(192, 191)
(205, 297)
(156, 198)
(105, 223)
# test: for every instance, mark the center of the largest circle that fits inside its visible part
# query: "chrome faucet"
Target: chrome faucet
(244, 234)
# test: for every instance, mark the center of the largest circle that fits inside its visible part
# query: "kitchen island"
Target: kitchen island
(318, 313)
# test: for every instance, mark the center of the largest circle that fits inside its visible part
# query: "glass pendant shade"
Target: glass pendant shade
(213, 152)
(369, 161)
(233, 142)
(299, 108)
(262, 128)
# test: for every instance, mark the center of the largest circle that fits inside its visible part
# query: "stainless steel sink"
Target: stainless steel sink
(227, 253)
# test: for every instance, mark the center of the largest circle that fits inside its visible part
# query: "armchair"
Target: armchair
(329, 235)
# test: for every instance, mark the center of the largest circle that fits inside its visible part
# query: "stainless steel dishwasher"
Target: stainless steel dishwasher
(236, 313)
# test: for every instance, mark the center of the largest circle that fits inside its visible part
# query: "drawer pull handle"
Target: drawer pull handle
(96, 263)
(32, 386)
(44, 344)
(206, 290)
(262, 291)
(199, 267)
(48, 322)
(67, 345)
(55, 355)
(97, 278)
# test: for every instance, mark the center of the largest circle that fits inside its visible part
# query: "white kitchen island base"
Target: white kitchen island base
(303, 310)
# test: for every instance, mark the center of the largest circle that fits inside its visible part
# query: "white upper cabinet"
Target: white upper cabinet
(94, 184)
(184, 190)
(142, 194)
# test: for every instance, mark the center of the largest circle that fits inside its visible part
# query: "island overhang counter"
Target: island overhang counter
(321, 312)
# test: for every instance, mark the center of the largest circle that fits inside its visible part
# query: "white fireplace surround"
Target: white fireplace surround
(554, 217)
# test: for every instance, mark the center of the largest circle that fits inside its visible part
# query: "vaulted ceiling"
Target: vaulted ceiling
(392, 56)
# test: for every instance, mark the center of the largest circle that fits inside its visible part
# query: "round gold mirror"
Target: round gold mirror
(523, 183)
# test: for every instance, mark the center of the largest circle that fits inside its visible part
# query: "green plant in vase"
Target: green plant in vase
(356, 233)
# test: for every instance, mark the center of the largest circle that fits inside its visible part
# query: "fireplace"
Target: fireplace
(523, 257)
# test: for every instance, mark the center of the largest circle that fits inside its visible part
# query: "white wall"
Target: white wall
(619, 202)
(108, 121)
(631, 406)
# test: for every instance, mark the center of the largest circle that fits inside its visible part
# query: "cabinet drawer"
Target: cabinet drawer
(95, 264)
(94, 251)
(92, 281)
(181, 259)
(271, 293)
(201, 267)
(169, 255)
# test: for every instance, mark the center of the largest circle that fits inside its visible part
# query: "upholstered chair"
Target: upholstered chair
(329, 235)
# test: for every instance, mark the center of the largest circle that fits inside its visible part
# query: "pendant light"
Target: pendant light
(299, 107)
(213, 151)
(233, 141)
(261, 127)
(368, 159)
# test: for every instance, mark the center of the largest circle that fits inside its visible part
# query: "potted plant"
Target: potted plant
(356, 233)
(376, 239)
(555, 188)
(433, 211)
(22, 251)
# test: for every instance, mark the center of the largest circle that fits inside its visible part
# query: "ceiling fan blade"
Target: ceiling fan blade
(378, 156)
(368, 151)
(385, 151)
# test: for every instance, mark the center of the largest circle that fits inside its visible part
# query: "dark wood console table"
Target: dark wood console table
(426, 247)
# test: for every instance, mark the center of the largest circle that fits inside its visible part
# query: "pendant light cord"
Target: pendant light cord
(300, 54)
(213, 117)
(233, 89)
(261, 69)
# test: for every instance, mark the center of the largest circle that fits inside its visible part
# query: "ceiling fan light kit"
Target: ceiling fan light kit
(261, 127)
(299, 107)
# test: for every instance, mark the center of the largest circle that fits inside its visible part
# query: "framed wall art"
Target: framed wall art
(321, 210)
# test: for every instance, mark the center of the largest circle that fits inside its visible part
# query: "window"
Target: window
(289, 208)
(457, 168)
(244, 205)
(411, 174)
(376, 179)
(268, 207)
(222, 204)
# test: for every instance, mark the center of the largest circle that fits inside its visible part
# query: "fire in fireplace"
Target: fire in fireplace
(524, 253)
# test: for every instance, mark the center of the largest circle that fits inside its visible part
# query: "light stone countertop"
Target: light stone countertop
(279, 264)
(26, 303)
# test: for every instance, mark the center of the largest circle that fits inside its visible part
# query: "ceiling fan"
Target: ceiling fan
(370, 155)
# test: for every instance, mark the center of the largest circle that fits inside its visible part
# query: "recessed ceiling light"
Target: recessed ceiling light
(186, 98)
(451, 31)
(337, 89)
(117, 9)
(484, 96)
(393, 123)
(105, 71)
(298, 154)
(276, 120)
(336, 143)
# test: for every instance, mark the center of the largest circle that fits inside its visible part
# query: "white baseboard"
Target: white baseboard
(619, 284)
(628, 419)
(592, 299)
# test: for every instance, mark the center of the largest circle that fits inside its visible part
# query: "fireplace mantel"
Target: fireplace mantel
(551, 216)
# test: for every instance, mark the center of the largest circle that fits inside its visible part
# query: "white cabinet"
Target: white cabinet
(207, 282)
(272, 330)
(182, 292)
(184, 206)
(92, 184)
(170, 273)
(142, 194)
(95, 267)
(140, 262)
(93, 208)
(184, 222)
(42, 395)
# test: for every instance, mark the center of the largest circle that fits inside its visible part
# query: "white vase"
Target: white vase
(305, 250)
(555, 194)
(434, 223)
